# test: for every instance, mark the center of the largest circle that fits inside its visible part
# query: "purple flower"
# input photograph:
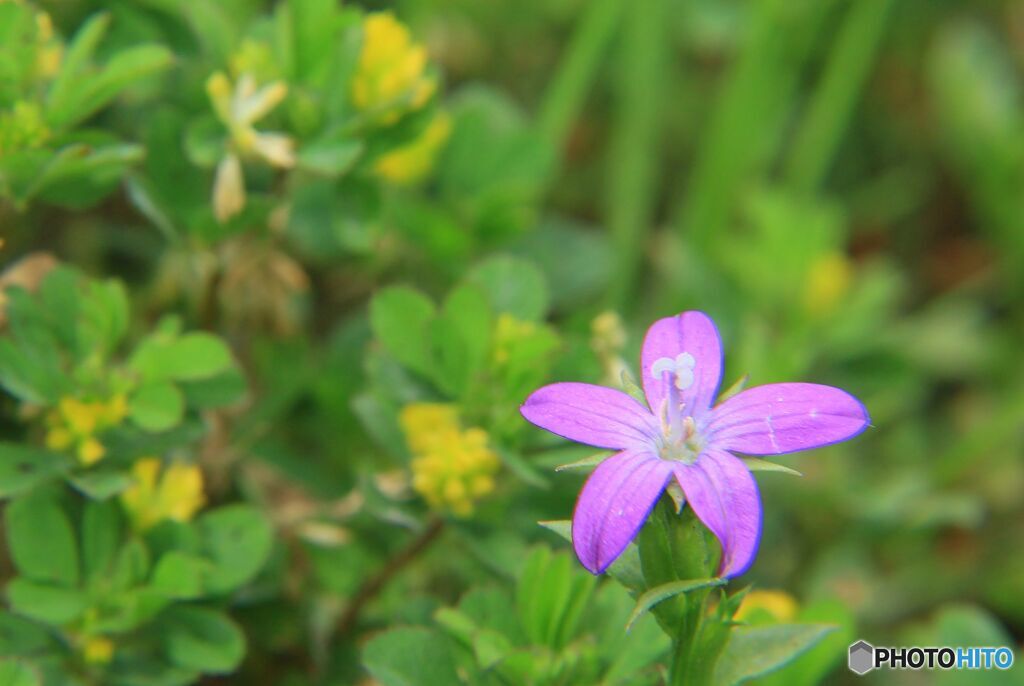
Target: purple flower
(680, 435)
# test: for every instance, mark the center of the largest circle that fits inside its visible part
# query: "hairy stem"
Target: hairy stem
(376, 583)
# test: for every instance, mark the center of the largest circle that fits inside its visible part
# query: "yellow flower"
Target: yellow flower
(75, 423)
(452, 468)
(90, 451)
(175, 495)
(50, 51)
(239, 107)
(98, 650)
(828, 280)
(412, 163)
(508, 333)
(23, 127)
(391, 74)
(778, 605)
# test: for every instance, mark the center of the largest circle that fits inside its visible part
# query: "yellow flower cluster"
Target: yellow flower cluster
(74, 424)
(452, 468)
(50, 50)
(779, 605)
(176, 494)
(22, 128)
(508, 333)
(411, 163)
(391, 76)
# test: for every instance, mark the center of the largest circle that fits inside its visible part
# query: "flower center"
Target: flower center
(680, 441)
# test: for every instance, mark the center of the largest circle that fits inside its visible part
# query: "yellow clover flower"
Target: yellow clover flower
(74, 424)
(411, 163)
(239, 107)
(452, 468)
(391, 76)
(175, 494)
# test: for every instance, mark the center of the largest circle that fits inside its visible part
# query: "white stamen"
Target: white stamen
(681, 369)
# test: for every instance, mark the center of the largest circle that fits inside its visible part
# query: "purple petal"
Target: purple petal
(690, 332)
(614, 504)
(595, 415)
(723, 495)
(781, 418)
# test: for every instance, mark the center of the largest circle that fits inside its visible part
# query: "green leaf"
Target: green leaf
(79, 174)
(201, 639)
(400, 317)
(522, 469)
(190, 357)
(758, 650)
(588, 461)
(812, 667)
(237, 539)
(20, 636)
(101, 537)
(76, 59)
(23, 467)
(550, 597)
(85, 97)
(626, 569)
(756, 464)
(331, 157)
(410, 657)
(18, 673)
(131, 566)
(179, 575)
(41, 540)
(512, 285)
(157, 406)
(737, 386)
(101, 484)
(224, 389)
(461, 336)
(45, 602)
(665, 591)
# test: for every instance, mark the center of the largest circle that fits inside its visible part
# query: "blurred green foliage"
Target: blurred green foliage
(239, 238)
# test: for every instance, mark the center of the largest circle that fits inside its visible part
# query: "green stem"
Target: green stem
(577, 71)
(852, 55)
(748, 121)
(633, 158)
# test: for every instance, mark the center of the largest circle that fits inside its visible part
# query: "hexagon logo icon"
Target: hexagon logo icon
(862, 658)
